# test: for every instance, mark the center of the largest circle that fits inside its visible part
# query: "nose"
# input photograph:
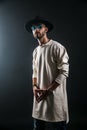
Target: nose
(37, 29)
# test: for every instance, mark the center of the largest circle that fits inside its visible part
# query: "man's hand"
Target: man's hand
(35, 89)
(42, 94)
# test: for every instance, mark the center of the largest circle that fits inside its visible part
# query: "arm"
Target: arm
(53, 86)
(34, 75)
(62, 59)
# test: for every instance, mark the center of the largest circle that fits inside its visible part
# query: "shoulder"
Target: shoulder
(59, 49)
(35, 50)
(57, 45)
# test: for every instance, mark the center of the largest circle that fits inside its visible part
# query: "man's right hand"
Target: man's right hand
(35, 91)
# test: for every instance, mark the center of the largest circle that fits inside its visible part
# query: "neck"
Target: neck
(43, 40)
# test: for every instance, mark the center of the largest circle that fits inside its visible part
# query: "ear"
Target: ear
(46, 29)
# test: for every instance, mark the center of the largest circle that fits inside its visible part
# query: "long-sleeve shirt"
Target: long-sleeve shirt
(50, 63)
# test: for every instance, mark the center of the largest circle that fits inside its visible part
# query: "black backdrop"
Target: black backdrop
(16, 46)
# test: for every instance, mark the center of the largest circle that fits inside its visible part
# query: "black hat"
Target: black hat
(37, 20)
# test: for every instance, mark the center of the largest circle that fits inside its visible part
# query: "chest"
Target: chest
(43, 55)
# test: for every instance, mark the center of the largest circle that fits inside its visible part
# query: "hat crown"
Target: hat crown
(37, 18)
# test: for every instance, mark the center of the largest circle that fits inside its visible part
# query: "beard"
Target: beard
(39, 35)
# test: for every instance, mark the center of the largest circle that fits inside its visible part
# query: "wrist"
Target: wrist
(34, 85)
(49, 91)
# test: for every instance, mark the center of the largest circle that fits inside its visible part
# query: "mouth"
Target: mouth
(38, 34)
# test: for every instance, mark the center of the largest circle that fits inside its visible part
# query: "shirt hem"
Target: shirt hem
(47, 120)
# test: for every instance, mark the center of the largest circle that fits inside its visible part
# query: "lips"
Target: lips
(38, 34)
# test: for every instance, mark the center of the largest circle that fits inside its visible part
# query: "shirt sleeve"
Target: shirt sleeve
(34, 65)
(62, 64)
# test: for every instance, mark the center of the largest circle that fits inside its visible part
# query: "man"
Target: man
(50, 71)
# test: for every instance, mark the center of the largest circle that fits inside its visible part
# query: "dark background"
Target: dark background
(16, 47)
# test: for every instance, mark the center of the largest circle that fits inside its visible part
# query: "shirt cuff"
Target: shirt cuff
(60, 78)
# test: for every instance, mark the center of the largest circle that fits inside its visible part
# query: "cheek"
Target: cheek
(33, 32)
(43, 31)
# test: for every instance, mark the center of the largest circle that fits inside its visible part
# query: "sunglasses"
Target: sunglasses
(36, 27)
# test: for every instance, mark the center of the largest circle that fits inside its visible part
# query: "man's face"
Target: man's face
(39, 30)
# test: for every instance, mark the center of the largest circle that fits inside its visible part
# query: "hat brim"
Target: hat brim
(30, 23)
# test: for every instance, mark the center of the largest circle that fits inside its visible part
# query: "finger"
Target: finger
(40, 98)
(40, 90)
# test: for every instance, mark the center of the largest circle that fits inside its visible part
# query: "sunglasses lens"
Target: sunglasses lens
(33, 28)
(36, 27)
(39, 26)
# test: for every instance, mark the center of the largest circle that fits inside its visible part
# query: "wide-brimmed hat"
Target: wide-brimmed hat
(37, 20)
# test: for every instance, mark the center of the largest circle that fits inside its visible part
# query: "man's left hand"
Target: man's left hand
(43, 93)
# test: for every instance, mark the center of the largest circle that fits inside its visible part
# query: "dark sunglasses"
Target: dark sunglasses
(36, 27)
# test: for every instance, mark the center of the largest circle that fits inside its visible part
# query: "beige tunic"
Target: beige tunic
(50, 62)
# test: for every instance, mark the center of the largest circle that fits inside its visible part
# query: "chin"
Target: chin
(37, 36)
